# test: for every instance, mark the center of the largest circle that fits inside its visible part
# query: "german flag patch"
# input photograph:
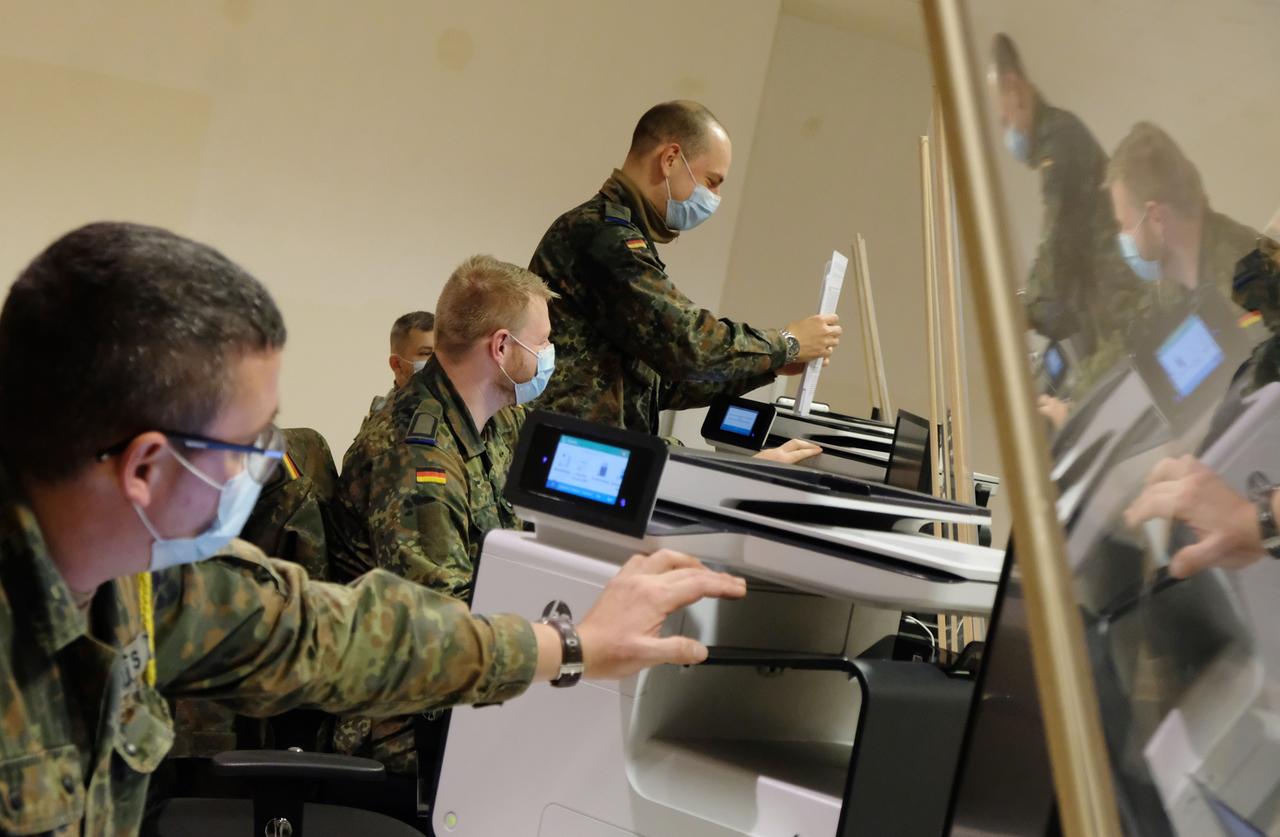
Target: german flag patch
(1249, 318)
(291, 467)
(433, 476)
(636, 244)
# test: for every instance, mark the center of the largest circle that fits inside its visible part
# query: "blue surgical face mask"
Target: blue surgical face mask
(535, 386)
(238, 496)
(693, 210)
(1018, 143)
(1148, 270)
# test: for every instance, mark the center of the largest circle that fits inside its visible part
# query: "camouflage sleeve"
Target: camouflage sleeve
(1089, 371)
(1049, 308)
(684, 395)
(261, 637)
(663, 326)
(420, 518)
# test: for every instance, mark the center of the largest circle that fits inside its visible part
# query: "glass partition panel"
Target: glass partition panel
(1117, 192)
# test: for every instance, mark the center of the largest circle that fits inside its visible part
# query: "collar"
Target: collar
(1041, 129)
(31, 580)
(1222, 242)
(622, 189)
(434, 382)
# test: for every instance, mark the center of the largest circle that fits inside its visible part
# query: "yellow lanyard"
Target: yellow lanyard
(148, 624)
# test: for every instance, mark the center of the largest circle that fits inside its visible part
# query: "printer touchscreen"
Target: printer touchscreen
(571, 469)
(588, 469)
(739, 420)
(1189, 356)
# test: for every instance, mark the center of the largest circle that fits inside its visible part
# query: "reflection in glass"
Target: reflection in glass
(1152, 305)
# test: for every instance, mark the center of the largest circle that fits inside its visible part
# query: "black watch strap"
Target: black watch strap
(557, 615)
(1260, 491)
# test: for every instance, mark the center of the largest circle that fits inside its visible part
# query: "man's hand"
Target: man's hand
(1054, 409)
(1225, 523)
(798, 367)
(818, 335)
(795, 450)
(620, 633)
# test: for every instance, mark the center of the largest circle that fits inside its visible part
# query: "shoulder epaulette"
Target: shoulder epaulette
(422, 427)
(616, 213)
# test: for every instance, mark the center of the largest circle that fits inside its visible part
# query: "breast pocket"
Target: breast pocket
(145, 732)
(42, 793)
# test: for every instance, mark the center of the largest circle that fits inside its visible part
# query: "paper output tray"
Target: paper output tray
(909, 728)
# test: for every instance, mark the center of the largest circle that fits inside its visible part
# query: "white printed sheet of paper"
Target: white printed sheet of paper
(832, 281)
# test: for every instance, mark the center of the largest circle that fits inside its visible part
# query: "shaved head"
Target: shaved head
(684, 122)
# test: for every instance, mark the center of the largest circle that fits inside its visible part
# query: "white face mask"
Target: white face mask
(238, 496)
(418, 365)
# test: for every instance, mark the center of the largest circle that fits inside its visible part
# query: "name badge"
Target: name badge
(134, 657)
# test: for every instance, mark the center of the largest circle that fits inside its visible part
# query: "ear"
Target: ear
(499, 345)
(1156, 212)
(392, 361)
(668, 156)
(136, 470)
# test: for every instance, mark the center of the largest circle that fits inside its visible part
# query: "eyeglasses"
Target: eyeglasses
(260, 458)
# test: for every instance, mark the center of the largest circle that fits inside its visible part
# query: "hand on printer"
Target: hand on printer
(795, 450)
(1225, 524)
(1054, 409)
(620, 634)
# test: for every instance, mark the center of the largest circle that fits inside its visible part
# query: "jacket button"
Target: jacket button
(68, 784)
(15, 800)
(131, 748)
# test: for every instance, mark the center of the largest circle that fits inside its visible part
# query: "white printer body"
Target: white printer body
(791, 728)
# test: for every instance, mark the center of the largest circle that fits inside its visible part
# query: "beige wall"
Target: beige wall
(835, 155)
(351, 154)
(1205, 74)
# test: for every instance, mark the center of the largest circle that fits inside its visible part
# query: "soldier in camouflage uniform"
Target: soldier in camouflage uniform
(629, 344)
(289, 522)
(1079, 287)
(413, 341)
(106, 604)
(423, 481)
(1176, 241)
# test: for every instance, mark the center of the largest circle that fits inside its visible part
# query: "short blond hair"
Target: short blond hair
(482, 296)
(1153, 168)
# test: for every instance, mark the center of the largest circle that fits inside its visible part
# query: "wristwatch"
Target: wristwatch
(1260, 491)
(793, 345)
(557, 615)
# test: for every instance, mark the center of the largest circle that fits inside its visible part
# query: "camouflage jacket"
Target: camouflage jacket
(1079, 286)
(1223, 242)
(379, 402)
(291, 517)
(289, 522)
(83, 730)
(628, 343)
(421, 487)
